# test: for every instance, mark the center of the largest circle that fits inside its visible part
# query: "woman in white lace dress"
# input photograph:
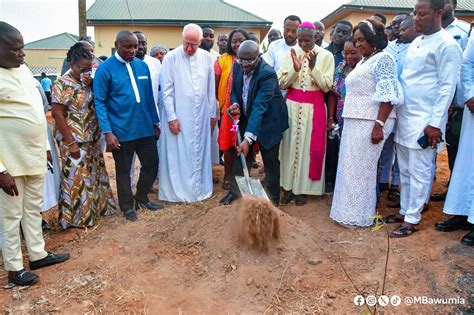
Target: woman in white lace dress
(372, 90)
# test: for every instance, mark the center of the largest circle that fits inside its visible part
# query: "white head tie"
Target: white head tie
(369, 25)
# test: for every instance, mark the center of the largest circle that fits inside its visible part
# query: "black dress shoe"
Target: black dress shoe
(301, 200)
(457, 222)
(438, 197)
(227, 200)
(287, 197)
(50, 259)
(22, 277)
(130, 215)
(468, 239)
(140, 205)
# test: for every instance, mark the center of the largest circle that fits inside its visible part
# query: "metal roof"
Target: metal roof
(60, 41)
(464, 7)
(170, 12)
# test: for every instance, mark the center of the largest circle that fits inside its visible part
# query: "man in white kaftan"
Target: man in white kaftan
(277, 51)
(428, 79)
(188, 84)
(460, 198)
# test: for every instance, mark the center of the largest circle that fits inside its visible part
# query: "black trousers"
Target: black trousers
(332, 157)
(271, 162)
(48, 96)
(148, 156)
(453, 133)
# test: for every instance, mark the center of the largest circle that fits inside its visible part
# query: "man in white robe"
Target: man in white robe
(189, 109)
(460, 198)
(429, 79)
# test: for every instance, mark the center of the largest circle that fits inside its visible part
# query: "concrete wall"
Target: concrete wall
(45, 58)
(169, 36)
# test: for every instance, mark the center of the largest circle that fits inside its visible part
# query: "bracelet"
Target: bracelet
(381, 123)
(68, 145)
(331, 118)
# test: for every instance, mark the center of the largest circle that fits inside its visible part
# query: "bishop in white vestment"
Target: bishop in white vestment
(187, 79)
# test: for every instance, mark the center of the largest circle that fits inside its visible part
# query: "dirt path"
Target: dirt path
(188, 259)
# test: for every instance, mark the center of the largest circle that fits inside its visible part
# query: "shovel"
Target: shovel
(248, 186)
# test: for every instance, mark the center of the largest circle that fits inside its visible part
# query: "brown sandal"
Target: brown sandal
(403, 231)
(393, 218)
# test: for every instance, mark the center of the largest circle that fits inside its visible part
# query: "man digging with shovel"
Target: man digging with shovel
(263, 117)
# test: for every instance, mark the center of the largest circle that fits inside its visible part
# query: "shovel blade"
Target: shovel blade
(255, 185)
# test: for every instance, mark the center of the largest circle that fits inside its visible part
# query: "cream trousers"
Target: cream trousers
(24, 209)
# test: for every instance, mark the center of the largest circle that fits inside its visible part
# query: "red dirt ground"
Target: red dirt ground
(189, 259)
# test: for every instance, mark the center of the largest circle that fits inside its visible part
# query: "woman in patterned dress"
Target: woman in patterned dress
(337, 94)
(372, 89)
(85, 188)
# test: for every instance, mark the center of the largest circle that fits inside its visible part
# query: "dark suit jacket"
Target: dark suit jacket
(266, 115)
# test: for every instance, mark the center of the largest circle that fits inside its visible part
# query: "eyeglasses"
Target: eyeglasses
(247, 62)
(194, 46)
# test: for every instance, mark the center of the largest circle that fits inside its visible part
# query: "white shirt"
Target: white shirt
(459, 30)
(154, 65)
(428, 79)
(214, 54)
(276, 54)
(132, 77)
(399, 52)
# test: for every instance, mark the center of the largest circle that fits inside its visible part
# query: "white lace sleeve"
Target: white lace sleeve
(387, 88)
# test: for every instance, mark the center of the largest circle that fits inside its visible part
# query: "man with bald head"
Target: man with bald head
(188, 118)
(256, 97)
(127, 115)
(23, 147)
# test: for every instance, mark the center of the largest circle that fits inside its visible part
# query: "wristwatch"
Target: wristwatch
(250, 141)
(381, 123)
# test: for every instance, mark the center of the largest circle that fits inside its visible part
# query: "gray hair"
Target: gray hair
(156, 48)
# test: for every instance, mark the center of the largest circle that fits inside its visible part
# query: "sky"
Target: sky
(37, 19)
